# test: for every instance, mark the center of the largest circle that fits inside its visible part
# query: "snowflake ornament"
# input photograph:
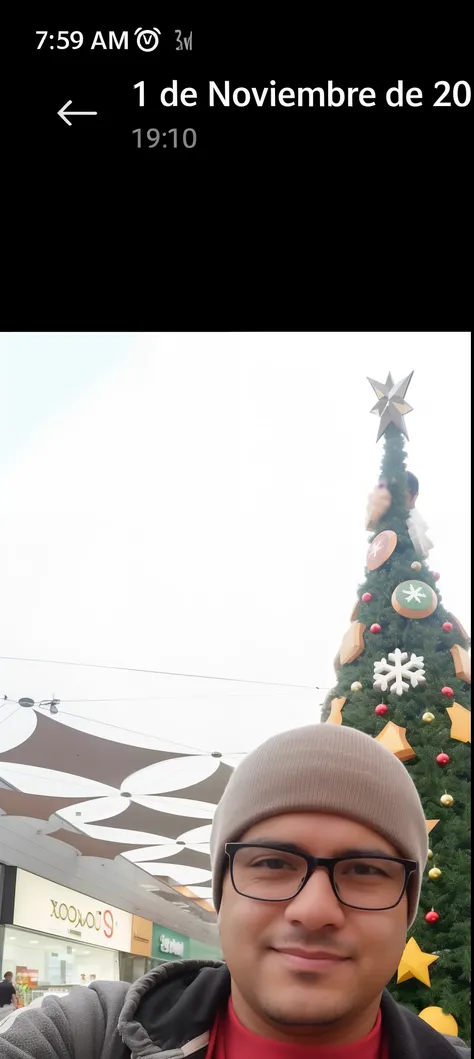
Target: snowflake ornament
(415, 594)
(392, 672)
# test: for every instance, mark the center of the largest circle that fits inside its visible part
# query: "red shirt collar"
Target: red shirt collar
(231, 1040)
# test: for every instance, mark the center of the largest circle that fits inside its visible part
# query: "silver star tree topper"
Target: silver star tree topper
(391, 405)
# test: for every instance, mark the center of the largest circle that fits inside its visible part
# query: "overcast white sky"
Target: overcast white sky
(195, 502)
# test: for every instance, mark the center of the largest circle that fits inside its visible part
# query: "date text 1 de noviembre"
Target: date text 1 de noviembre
(223, 94)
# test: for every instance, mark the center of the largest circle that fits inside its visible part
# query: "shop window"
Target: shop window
(43, 964)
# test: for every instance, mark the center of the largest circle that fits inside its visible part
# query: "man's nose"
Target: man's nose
(316, 905)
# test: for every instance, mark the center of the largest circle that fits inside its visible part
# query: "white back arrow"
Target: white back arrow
(62, 112)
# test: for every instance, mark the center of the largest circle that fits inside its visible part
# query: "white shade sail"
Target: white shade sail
(171, 775)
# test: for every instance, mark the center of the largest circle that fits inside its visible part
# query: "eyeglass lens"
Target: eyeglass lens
(275, 875)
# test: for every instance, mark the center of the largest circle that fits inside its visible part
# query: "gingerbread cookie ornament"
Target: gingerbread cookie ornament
(382, 547)
(414, 599)
(377, 506)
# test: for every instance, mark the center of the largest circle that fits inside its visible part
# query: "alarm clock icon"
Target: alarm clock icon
(147, 39)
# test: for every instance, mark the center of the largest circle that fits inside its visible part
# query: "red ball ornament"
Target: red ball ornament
(376, 627)
(448, 692)
(366, 598)
(432, 917)
(443, 759)
(436, 576)
(447, 626)
(381, 709)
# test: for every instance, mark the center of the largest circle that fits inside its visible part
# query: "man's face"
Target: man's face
(8, 976)
(281, 991)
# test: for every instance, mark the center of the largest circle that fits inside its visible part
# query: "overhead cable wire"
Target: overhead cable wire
(156, 672)
(198, 751)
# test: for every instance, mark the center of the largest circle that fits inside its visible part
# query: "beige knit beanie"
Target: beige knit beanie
(329, 769)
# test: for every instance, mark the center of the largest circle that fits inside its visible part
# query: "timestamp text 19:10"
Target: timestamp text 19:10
(188, 137)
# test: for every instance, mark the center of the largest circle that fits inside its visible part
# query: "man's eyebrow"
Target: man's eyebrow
(356, 851)
(366, 852)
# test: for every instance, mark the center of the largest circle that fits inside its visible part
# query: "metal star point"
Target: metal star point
(391, 405)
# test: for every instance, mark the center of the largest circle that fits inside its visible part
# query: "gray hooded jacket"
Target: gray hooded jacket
(168, 1014)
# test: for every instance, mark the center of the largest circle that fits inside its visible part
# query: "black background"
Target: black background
(298, 210)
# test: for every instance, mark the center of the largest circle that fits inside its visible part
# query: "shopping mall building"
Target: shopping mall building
(53, 938)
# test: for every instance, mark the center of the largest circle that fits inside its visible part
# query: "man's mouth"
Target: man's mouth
(312, 960)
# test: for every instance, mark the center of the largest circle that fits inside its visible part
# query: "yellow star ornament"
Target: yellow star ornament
(392, 737)
(460, 722)
(414, 963)
(335, 717)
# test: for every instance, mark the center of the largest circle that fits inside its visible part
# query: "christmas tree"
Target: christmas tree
(403, 676)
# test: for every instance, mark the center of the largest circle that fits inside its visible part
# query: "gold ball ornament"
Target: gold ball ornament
(416, 565)
(447, 799)
(434, 873)
(430, 854)
(428, 717)
(356, 686)
(436, 1018)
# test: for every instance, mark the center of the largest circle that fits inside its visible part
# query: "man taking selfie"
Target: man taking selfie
(318, 849)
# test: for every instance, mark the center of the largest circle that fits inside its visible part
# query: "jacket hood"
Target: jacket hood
(169, 1013)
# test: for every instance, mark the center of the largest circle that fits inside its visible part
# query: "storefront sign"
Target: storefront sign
(171, 946)
(51, 909)
(142, 931)
(199, 950)
(168, 945)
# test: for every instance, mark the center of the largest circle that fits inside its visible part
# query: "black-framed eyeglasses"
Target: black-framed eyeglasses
(278, 872)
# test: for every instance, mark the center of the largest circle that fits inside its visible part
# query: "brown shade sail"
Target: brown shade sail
(92, 847)
(140, 818)
(210, 789)
(39, 806)
(56, 746)
(188, 857)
